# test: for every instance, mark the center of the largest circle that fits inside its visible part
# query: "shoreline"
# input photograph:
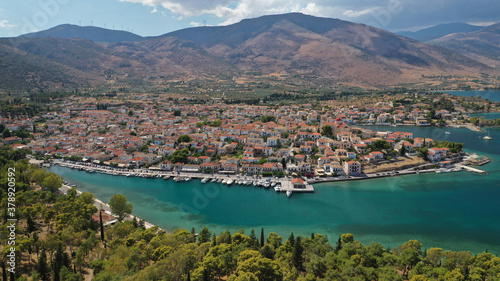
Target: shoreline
(107, 209)
(284, 183)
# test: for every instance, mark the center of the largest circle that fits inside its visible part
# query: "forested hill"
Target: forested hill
(57, 239)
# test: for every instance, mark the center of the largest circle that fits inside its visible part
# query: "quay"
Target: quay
(285, 184)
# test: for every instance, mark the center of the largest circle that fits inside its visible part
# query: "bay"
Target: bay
(490, 95)
(455, 211)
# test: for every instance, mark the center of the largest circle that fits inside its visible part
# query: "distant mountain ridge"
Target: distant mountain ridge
(438, 31)
(294, 44)
(91, 33)
(482, 45)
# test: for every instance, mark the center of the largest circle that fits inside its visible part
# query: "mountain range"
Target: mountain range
(440, 30)
(294, 44)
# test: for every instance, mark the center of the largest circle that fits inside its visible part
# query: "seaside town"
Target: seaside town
(286, 146)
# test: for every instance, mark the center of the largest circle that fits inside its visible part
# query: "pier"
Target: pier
(471, 169)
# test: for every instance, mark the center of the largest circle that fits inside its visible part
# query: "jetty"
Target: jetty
(471, 169)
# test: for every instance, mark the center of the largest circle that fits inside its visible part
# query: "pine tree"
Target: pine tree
(262, 237)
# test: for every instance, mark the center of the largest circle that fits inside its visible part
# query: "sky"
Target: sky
(156, 17)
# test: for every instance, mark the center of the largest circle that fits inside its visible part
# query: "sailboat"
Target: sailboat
(487, 137)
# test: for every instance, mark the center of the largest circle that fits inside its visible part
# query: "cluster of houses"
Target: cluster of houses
(222, 138)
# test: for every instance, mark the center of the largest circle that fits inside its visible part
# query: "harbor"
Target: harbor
(278, 184)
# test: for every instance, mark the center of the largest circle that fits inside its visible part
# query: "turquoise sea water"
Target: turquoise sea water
(490, 95)
(456, 211)
(488, 115)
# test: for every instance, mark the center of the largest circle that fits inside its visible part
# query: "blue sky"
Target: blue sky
(155, 17)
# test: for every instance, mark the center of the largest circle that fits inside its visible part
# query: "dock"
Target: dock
(471, 169)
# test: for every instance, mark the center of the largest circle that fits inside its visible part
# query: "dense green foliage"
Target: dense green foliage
(454, 147)
(481, 121)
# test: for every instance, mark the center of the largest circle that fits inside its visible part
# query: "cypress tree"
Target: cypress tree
(338, 247)
(312, 235)
(193, 235)
(42, 267)
(189, 276)
(253, 240)
(297, 254)
(57, 263)
(4, 271)
(102, 226)
(262, 237)
(291, 238)
(214, 240)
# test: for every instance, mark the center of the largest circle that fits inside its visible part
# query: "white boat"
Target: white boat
(273, 184)
(230, 181)
(177, 178)
(288, 193)
(187, 179)
(220, 180)
(204, 180)
(277, 188)
(224, 181)
(487, 138)
(266, 184)
(166, 177)
(448, 133)
(214, 179)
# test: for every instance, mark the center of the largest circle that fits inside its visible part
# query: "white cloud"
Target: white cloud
(193, 23)
(388, 14)
(6, 24)
(356, 14)
(155, 10)
(482, 23)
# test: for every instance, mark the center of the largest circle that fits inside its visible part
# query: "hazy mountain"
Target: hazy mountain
(440, 30)
(330, 48)
(482, 45)
(295, 44)
(91, 33)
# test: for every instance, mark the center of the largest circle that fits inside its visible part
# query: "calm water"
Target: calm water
(489, 115)
(490, 95)
(457, 211)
